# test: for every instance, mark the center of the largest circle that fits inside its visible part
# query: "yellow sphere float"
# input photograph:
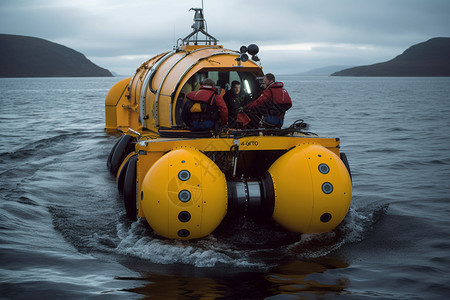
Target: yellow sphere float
(184, 195)
(313, 189)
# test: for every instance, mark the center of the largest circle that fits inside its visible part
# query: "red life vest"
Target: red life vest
(204, 106)
(204, 94)
(273, 102)
(280, 96)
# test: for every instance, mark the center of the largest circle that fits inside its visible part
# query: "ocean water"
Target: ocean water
(64, 234)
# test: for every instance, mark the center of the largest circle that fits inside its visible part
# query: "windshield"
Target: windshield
(250, 86)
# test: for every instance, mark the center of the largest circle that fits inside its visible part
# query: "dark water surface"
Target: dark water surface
(63, 231)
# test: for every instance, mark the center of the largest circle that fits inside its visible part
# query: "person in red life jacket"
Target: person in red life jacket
(204, 108)
(269, 108)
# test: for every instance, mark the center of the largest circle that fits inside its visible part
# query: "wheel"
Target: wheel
(129, 189)
(121, 175)
(124, 147)
(111, 153)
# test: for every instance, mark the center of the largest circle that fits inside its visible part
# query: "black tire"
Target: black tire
(347, 165)
(111, 153)
(121, 177)
(124, 147)
(129, 189)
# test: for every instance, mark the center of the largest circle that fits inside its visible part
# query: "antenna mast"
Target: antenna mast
(199, 26)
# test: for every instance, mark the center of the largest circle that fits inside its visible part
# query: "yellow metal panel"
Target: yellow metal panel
(245, 144)
(115, 115)
(164, 112)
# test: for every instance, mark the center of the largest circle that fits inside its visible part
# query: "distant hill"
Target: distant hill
(23, 56)
(325, 71)
(430, 58)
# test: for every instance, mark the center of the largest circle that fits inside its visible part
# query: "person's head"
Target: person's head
(236, 86)
(208, 81)
(268, 79)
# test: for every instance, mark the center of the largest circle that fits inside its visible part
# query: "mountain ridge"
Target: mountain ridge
(426, 59)
(26, 56)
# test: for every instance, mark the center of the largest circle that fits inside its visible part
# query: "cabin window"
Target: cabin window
(250, 87)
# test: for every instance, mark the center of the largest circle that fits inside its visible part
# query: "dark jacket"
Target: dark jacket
(233, 103)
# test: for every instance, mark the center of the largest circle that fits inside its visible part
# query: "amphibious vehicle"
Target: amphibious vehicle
(185, 182)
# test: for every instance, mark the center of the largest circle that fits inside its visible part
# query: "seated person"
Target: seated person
(204, 108)
(269, 108)
(189, 86)
(233, 102)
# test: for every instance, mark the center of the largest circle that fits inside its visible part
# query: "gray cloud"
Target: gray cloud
(294, 35)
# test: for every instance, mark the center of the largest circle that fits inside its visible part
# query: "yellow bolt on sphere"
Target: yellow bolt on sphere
(184, 195)
(313, 189)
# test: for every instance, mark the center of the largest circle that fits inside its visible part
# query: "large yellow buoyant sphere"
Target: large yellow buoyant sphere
(313, 189)
(184, 195)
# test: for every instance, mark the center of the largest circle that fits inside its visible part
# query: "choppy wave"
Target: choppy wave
(254, 246)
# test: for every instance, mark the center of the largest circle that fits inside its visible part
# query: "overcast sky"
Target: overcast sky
(293, 35)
